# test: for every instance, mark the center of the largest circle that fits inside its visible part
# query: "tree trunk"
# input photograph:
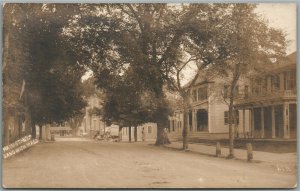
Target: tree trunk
(135, 133)
(231, 131)
(33, 130)
(120, 134)
(40, 132)
(129, 129)
(6, 129)
(185, 129)
(74, 132)
(162, 137)
(236, 132)
(232, 96)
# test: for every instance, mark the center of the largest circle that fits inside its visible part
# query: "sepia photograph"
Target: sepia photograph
(149, 96)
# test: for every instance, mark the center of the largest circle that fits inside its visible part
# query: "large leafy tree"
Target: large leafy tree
(233, 42)
(249, 45)
(200, 50)
(127, 104)
(51, 75)
(143, 37)
(158, 41)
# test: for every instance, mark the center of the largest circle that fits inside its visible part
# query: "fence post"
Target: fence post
(218, 149)
(249, 152)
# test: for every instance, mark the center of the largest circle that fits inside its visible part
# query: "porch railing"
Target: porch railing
(266, 95)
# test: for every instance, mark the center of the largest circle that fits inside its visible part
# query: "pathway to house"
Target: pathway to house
(79, 163)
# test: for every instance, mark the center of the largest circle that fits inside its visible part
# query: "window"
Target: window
(257, 86)
(95, 124)
(149, 129)
(226, 91)
(246, 91)
(275, 83)
(236, 91)
(235, 117)
(194, 95)
(264, 84)
(226, 117)
(290, 80)
(202, 93)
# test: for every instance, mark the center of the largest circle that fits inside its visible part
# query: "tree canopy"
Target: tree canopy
(50, 71)
(157, 41)
(134, 52)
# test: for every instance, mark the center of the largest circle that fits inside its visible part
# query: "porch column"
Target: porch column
(195, 120)
(188, 121)
(286, 128)
(262, 122)
(244, 123)
(281, 85)
(273, 122)
(252, 123)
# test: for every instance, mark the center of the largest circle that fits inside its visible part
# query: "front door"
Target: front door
(202, 120)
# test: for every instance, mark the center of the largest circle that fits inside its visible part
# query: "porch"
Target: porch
(271, 121)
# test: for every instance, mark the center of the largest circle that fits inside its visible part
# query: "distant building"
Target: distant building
(148, 131)
(92, 123)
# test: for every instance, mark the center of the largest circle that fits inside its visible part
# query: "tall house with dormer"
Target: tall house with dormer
(271, 101)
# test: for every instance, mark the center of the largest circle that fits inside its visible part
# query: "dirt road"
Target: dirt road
(88, 164)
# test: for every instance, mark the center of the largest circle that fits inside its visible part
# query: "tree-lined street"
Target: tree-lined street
(116, 74)
(88, 164)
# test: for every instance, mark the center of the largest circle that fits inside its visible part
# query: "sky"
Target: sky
(282, 16)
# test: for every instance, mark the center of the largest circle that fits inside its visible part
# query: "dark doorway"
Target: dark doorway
(202, 120)
(279, 121)
(173, 125)
(190, 120)
(268, 122)
(257, 122)
(293, 120)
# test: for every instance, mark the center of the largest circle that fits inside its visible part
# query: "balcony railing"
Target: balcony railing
(266, 95)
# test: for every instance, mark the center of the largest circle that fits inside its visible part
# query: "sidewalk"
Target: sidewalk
(280, 159)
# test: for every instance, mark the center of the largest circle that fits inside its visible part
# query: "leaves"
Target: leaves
(51, 73)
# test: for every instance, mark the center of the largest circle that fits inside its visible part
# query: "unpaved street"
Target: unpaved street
(87, 164)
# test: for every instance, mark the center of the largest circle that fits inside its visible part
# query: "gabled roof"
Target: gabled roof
(289, 62)
(292, 58)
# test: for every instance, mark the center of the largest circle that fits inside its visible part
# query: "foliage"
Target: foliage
(118, 37)
(249, 44)
(151, 44)
(51, 74)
